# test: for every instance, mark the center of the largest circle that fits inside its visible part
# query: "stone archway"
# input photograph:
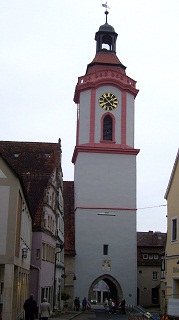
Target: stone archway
(116, 293)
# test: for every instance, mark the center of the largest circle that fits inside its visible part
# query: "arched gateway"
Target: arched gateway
(115, 289)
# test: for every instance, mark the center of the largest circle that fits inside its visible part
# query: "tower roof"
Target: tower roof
(105, 57)
(105, 66)
(106, 27)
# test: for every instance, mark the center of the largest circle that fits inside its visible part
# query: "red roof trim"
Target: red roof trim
(105, 77)
(100, 148)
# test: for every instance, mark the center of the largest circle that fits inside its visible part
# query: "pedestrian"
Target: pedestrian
(75, 303)
(114, 306)
(122, 306)
(45, 309)
(30, 307)
(106, 306)
(110, 305)
(84, 304)
(78, 304)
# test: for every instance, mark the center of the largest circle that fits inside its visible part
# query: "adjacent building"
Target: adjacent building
(15, 241)
(150, 252)
(69, 228)
(172, 246)
(39, 167)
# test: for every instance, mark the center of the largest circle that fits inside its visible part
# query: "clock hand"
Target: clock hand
(109, 101)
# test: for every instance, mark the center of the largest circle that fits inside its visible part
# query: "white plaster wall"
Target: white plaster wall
(4, 207)
(130, 120)
(26, 235)
(105, 180)
(119, 232)
(84, 116)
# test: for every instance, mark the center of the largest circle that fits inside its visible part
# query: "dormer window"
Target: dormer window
(16, 155)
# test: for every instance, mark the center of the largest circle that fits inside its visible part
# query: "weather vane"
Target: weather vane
(107, 7)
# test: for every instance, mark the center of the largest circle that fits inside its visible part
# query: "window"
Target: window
(43, 251)
(37, 254)
(145, 256)
(105, 249)
(156, 256)
(155, 275)
(107, 128)
(150, 256)
(174, 229)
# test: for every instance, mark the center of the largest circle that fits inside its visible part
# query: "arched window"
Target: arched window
(107, 128)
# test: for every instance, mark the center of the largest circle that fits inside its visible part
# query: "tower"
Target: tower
(105, 175)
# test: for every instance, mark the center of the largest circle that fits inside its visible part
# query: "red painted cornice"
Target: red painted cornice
(104, 148)
(105, 77)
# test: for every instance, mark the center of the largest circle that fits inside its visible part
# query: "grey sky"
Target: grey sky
(47, 44)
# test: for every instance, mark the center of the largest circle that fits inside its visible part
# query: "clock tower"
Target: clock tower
(105, 176)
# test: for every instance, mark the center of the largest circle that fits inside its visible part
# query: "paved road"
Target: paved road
(95, 314)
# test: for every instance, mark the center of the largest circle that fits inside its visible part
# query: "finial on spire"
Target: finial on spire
(106, 12)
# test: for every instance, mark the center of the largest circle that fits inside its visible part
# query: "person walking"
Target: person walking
(110, 305)
(84, 304)
(45, 309)
(106, 306)
(122, 306)
(78, 304)
(30, 307)
(75, 304)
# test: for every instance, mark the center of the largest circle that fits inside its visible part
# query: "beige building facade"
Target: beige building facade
(172, 246)
(15, 243)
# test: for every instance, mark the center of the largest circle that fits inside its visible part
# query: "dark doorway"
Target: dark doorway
(155, 296)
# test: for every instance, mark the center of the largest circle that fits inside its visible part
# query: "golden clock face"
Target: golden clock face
(108, 101)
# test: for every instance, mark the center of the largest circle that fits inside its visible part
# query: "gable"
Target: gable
(174, 178)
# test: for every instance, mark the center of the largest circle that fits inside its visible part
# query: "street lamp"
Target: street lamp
(54, 280)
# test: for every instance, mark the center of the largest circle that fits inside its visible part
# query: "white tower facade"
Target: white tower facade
(105, 175)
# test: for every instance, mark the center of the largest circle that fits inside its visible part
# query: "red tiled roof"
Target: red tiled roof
(150, 243)
(69, 217)
(107, 59)
(151, 239)
(34, 162)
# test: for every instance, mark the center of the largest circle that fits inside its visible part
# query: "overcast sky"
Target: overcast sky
(45, 45)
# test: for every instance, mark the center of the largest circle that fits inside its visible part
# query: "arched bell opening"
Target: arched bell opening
(105, 41)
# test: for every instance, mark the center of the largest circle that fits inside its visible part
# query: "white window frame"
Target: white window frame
(145, 256)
